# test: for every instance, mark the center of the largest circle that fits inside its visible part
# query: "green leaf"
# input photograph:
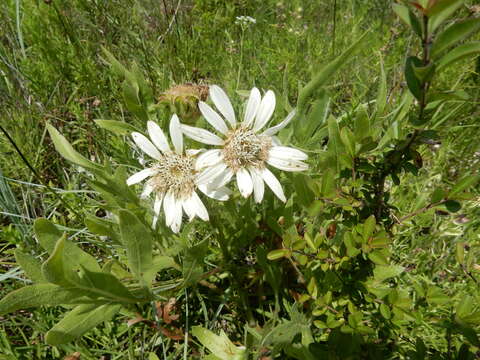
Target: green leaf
(408, 17)
(117, 67)
(328, 187)
(459, 53)
(369, 227)
(30, 265)
(36, 295)
(465, 183)
(454, 34)
(78, 321)
(382, 95)
(348, 140)
(453, 206)
(362, 122)
(438, 195)
(278, 254)
(441, 11)
(378, 257)
(321, 78)
(414, 84)
(115, 126)
(381, 273)
(137, 239)
(219, 345)
(105, 285)
(48, 235)
(53, 268)
(66, 150)
(193, 260)
(335, 145)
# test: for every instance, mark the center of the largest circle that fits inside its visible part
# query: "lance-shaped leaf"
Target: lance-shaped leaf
(459, 53)
(137, 239)
(105, 285)
(453, 35)
(408, 17)
(464, 184)
(30, 265)
(48, 235)
(115, 126)
(54, 269)
(68, 152)
(38, 295)
(441, 11)
(220, 345)
(78, 321)
(414, 84)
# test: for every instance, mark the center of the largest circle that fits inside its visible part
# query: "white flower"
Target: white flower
(243, 150)
(173, 176)
(245, 20)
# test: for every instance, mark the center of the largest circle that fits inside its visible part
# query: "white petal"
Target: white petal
(189, 208)
(210, 173)
(177, 216)
(208, 158)
(222, 179)
(244, 182)
(220, 194)
(287, 153)
(201, 135)
(147, 190)
(169, 208)
(287, 165)
(156, 209)
(265, 111)
(258, 185)
(276, 141)
(146, 145)
(213, 118)
(176, 134)
(201, 210)
(223, 104)
(140, 176)
(273, 184)
(158, 137)
(274, 129)
(252, 106)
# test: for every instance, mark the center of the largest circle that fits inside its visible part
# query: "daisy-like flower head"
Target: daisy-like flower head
(244, 150)
(173, 176)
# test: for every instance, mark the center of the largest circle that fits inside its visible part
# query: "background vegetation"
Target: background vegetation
(52, 69)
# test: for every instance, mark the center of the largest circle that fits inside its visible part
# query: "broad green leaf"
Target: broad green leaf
(441, 11)
(115, 126)
(438, 195)
(102, 227)
(425, 73)
(369, 227)
(78, 321)
(137, 239)
(335, 146)
(37, 295)
(466, 183)
(348, 141)
(68, 152)
(328, 187)
(30, 265)
(105, 285)
(53, 269)
(321, 78)
(381, 273)
(117, 67)
(378, 257)
(453, 35)
(459, 53)
(48, 235)
(219, 345)
(414, 84)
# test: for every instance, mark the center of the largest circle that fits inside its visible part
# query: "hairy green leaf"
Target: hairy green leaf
(78, 321)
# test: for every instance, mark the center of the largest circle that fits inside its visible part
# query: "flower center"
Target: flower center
(245, 148)
(175, 173)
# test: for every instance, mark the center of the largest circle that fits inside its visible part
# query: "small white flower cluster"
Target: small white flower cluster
(245, 20)
(242, 151)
